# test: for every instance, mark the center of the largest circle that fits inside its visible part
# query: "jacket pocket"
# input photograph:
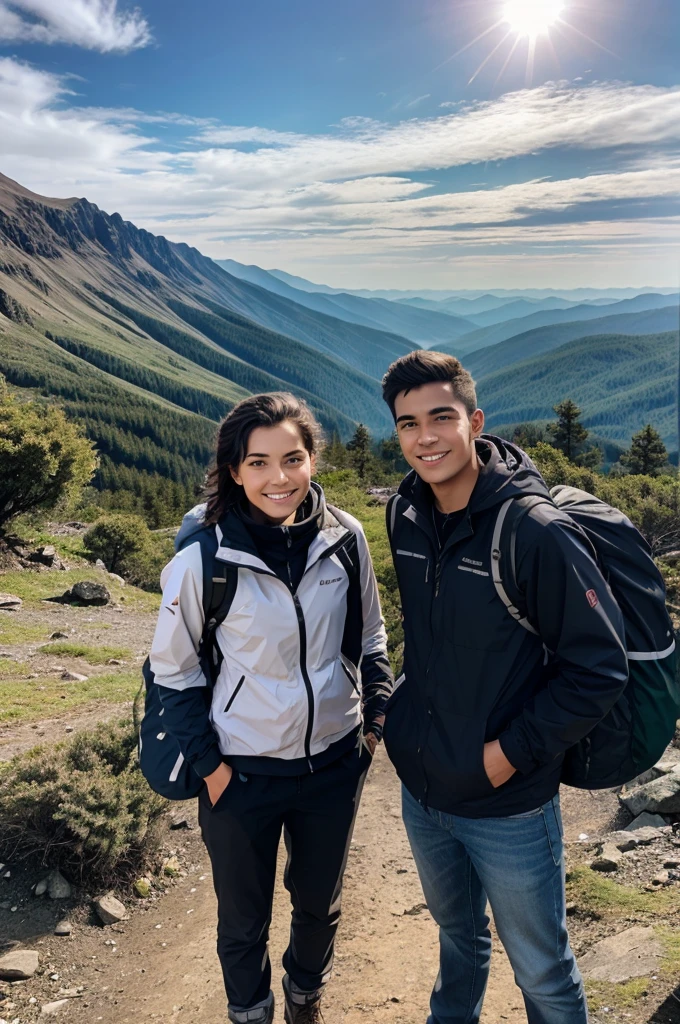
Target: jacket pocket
(234, 695)
(453, 756)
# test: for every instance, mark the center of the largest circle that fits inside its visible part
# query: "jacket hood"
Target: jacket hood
(506, 472)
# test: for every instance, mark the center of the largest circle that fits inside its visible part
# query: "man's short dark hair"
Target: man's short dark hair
(426, 367)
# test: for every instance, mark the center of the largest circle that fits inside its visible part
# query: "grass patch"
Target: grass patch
(33, 586)
(13, 632)
(592, 893)
(32, 699)
(616, 995)
(92, 655)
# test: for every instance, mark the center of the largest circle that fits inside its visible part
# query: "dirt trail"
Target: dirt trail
(386, 955)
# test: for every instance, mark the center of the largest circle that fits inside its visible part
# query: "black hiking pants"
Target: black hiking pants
(242, 833)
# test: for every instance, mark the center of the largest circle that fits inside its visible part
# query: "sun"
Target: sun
(532, 17)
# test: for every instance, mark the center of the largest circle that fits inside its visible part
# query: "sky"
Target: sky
(363, 144)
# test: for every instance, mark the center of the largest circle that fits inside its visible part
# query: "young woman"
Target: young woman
(297, 708)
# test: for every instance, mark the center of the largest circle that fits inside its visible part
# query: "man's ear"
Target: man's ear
(235, 477)
(477, 422)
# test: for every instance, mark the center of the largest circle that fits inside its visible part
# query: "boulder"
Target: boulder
(625, 841)
(19, 964)
(630, 954)
(645, 821)
(109, 909)
(57, 886)
(45, 555)
(662, 795)
(10, 603)
(89, 593)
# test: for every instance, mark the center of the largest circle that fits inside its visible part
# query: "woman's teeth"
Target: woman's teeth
(280, 497)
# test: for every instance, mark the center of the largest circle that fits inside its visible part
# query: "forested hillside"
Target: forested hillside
(619, 382)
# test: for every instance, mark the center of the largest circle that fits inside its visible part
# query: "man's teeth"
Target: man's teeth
(433, 458)
(280, 497)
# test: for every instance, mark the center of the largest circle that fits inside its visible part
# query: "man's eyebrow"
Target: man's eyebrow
(442, 408)
(406, 416)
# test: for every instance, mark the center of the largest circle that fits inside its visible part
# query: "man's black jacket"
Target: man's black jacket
(472, 674)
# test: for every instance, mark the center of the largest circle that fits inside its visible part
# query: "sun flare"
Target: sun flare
(532, 17)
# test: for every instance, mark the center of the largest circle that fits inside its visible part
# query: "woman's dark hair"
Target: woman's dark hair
(232, 442)
(426, 367)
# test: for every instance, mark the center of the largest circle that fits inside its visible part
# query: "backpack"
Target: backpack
(161, 762)
(636, 731)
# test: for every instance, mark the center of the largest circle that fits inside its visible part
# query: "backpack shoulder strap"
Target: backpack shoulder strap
(510, 514)
(394, 506)
(342, 554)
(219, 586)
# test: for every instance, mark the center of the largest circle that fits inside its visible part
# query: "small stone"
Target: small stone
(57, 886)
(672, 863)
(661, 879)
(101, 565)
(63, 928)
(608, 860)
(115, 661)
(50, 1009)
(41, 887)
(110, 909)
(181, 823)
(19, 964)
(171, 867)
(10, 602)
(571, 909)
(7, 874)
(58, 635)
(73, 677)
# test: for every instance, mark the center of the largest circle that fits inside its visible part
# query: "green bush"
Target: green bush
(82, 806)
(127, 547)
(43, 457)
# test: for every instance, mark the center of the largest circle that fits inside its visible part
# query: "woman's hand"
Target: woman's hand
(218, 782)
(370, 738)
(496, 764)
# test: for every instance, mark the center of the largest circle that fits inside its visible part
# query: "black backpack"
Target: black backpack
(637, 730)
(160, 759)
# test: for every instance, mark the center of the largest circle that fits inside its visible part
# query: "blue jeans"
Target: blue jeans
(517, 863)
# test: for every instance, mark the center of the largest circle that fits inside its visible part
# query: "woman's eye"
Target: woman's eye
(256, 465)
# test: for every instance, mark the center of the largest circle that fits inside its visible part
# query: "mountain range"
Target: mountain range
(149, 342)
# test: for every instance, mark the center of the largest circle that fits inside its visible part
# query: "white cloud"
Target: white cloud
(361, 193)
(92, 24)
(418, 100)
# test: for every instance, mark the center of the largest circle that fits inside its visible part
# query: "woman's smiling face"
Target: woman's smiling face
(276, 473)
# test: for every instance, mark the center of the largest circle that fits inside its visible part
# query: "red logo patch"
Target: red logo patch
(593, 600)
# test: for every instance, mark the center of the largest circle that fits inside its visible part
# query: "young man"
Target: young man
(478, 728)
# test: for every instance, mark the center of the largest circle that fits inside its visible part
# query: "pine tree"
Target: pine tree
(360, 450)
(568, 434)
(647, 453)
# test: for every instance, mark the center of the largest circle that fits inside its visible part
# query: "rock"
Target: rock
(645, 820)
(57, 886)
(46, 555)
(608, 860)
(142, 887)
(19, 964)
(630, 954)
(63, 928)
(88, 593)
(109, 909)
(101, 565)
(171, 867)
(661, 879)
(10, 603)
(117, 579)
(661, 795)
(115, 661)
(41, 887)
(625, 841)
(181, 823)
(58, 635)
(73, 677)
(49, 1009)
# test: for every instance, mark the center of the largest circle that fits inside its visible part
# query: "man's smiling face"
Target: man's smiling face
(436, 432)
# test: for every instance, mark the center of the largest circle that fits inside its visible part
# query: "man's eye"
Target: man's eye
(443, 417)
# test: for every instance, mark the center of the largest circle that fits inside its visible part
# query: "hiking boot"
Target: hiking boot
(262, 1014)
(301, 1007)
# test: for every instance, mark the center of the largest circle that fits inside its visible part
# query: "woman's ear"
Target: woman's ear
(235, 476)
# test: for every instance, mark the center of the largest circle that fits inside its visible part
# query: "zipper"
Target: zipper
(305, 677)
(289, 544)
(234, 694)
